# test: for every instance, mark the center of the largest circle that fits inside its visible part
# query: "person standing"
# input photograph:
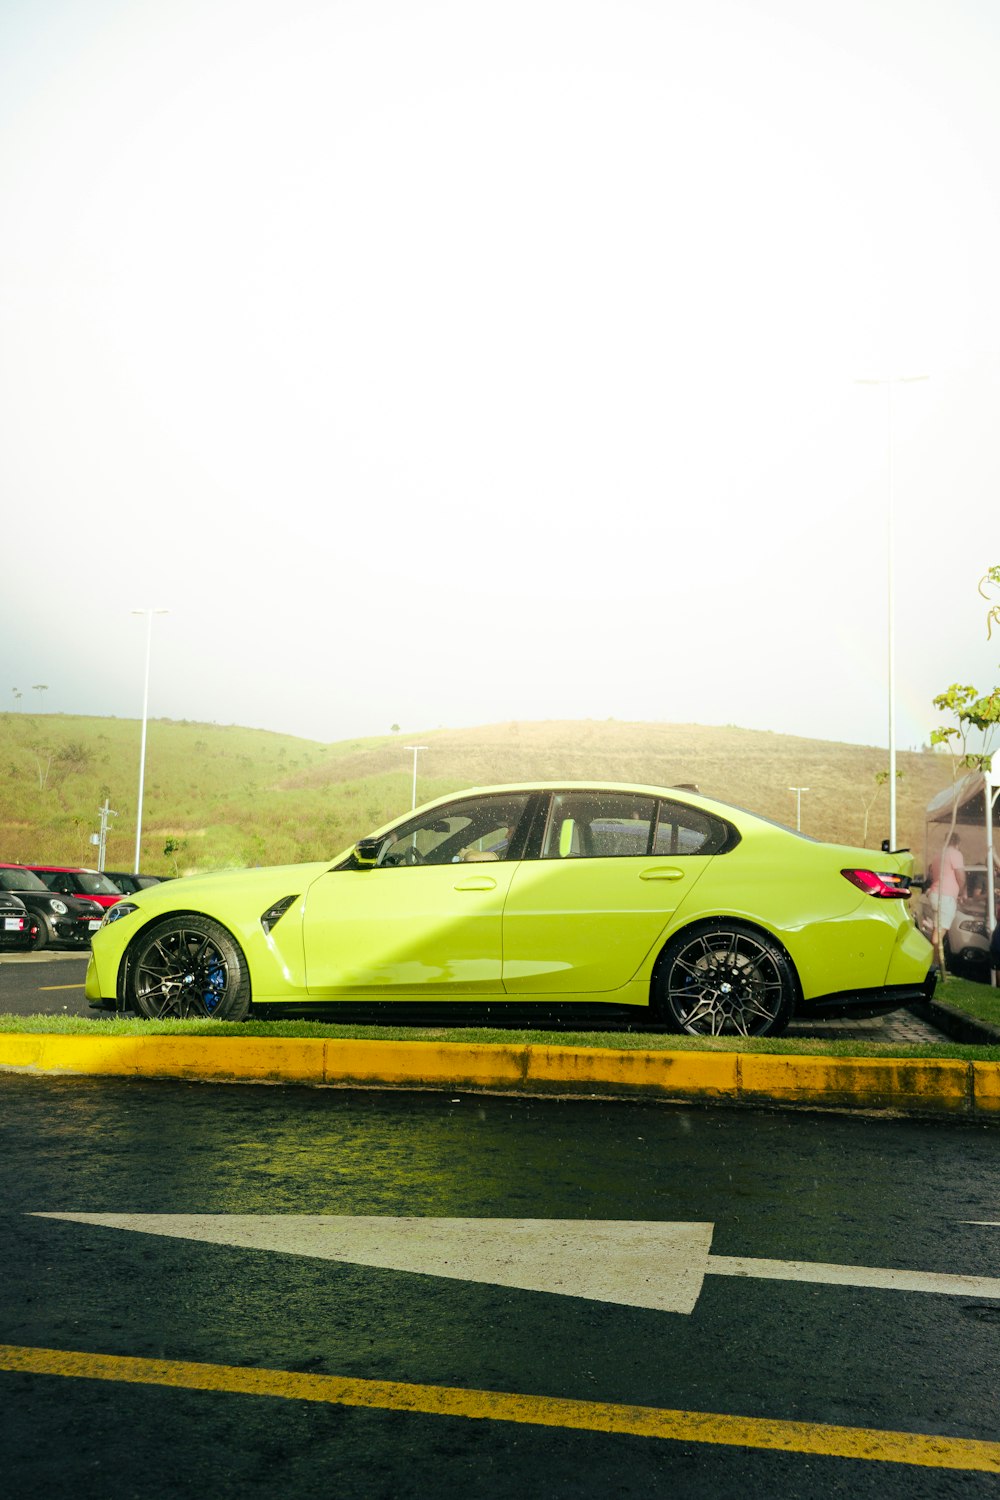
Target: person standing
(947, 887)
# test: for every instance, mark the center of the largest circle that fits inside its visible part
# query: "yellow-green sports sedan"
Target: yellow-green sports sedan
(514, 902)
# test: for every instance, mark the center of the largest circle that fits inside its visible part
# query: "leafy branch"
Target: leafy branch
(990, 579)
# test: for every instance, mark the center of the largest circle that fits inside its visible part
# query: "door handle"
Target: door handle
(477, 883)
(662, 872)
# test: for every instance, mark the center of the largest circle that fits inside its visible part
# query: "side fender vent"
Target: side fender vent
(276, 912)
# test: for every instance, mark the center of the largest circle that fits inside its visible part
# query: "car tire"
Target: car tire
(44, 938)
(187, 967)
(724, 979)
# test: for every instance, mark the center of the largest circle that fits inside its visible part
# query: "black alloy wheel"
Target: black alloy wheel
(725, 980)
(188, 967)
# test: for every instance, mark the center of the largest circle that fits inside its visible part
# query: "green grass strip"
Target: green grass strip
(976, 1000)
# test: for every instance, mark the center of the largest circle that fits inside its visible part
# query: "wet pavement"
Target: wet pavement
(330, 1373)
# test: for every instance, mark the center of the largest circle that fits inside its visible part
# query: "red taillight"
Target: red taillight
(882, 885)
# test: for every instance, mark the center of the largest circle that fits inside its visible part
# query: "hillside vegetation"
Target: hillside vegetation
(217, 796)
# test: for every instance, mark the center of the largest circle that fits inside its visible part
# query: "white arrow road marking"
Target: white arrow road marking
(633, 1263)
(636, 1264)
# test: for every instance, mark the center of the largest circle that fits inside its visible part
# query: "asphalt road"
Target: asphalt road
(767, 1349)
(43, 984)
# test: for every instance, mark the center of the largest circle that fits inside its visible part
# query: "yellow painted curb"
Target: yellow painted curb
(937, 1086)
(986, 1088)
(605, 1069)
(914, 1085)
(426, 1064)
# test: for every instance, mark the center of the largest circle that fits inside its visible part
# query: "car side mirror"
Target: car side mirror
(366, 853)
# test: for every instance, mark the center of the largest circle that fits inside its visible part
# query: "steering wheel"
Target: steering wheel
(412, 856)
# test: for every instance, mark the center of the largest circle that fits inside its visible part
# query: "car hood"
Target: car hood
(198, 891)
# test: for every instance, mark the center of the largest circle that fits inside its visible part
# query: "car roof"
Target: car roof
(65, 869)
(684, 794)
(557, 784)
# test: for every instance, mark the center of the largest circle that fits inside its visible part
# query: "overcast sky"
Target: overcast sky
(441, 362)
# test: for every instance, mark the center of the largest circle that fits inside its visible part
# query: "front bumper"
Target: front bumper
(75, 930)
(17, 941)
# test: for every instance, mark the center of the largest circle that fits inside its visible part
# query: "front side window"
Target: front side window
(478, 829)
(95, 884)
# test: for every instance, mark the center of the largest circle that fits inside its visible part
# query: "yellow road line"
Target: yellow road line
(60, 987)
(922, 1449)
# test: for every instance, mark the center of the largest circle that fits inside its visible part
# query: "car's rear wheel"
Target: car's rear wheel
(188, 967)
(724, 979)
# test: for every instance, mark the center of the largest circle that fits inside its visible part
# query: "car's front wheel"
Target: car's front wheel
(188, 967)
(724, 979)
(44, 938)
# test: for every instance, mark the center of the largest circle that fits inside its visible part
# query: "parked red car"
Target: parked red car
(70, 880)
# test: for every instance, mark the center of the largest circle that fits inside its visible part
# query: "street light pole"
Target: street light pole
(416, 751)
(798, 790)
(889, 381)
(149, 613)
(102, 838)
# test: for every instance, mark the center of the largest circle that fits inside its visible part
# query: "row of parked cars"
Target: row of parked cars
(44, 906)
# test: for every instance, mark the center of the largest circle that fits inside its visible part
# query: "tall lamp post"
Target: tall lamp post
(149, 613)
(889, 381)
(416, 751)
(798, 790)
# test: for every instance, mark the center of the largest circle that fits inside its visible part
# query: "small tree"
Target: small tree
(171, 848)
(43, 757)
(990, 580)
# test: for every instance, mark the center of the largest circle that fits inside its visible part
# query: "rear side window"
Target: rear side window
(598, 825)
(688, 830)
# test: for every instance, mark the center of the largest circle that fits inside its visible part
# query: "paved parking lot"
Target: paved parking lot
(898, 1027)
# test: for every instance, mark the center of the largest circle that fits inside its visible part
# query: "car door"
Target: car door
(614, 870)
(426, 919)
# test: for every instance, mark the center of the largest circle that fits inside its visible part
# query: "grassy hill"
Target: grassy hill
(231, 796)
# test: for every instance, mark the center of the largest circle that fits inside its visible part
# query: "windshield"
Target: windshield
(20, 880)
(73, 882)
(95, 884)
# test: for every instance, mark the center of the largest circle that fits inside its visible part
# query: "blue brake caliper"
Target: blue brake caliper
(215, 985)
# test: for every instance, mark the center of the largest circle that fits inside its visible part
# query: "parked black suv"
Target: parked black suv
(65, 920)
